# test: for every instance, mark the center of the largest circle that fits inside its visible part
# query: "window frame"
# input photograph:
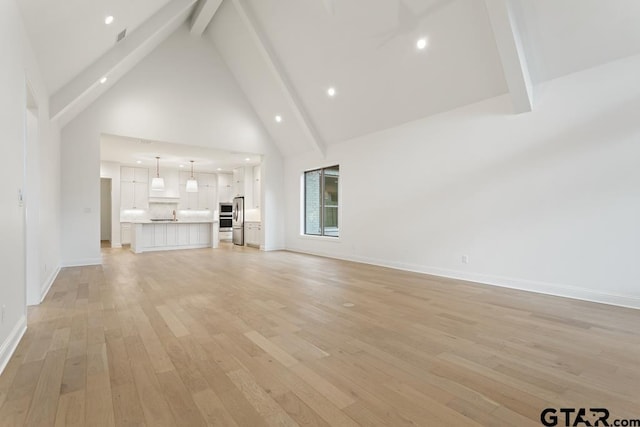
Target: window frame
(322, 234)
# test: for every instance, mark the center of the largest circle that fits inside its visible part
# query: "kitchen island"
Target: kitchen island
(147, 236)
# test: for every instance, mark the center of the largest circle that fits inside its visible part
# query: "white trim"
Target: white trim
(82, 262)
(47, 285)
(555, 289)
(320, 238)
(9, 346)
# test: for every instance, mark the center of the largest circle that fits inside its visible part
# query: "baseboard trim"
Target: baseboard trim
(9, 346)
(82, 262)
(48, 283)
(555, 289)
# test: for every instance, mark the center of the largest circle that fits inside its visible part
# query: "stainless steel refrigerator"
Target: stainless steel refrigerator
(238, 221)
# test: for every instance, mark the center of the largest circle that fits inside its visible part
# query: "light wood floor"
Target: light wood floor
(240, 337)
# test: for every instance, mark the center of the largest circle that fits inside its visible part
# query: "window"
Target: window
(321, 202)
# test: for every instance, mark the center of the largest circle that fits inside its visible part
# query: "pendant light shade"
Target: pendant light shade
(157, 183)
(192, 184)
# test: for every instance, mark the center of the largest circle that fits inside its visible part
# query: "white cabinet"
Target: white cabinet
(134, 188)
(130, 174)
(243, 185)
(205, 198)
(225, 189)
(257, 189)
(252, 231)
(204, 234)
(207, 191)
(127, 193)
(238, 182)
(187, 200)
(168, 236)
(125, 233)
(171, 235)
(140, 195)
(183, 234)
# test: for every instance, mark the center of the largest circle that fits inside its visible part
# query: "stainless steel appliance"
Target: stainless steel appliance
(225, 216)
(238, 221)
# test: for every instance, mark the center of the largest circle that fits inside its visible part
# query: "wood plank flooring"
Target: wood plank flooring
(238, 337)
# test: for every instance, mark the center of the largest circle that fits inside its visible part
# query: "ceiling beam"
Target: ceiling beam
(203, 15)
(512, 55)
(85, 88)
(280, 76)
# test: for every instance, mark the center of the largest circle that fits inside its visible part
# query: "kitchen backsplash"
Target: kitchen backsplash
(162, 210)
(195, 215)
(165, 211)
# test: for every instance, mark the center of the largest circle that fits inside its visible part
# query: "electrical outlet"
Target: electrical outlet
(465, 259)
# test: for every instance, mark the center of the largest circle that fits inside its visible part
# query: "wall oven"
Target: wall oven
(226, 217)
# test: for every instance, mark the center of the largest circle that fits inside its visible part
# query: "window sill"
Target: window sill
(321, 238)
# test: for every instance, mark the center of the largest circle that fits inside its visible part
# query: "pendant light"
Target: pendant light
(157, 183)
(192, 184)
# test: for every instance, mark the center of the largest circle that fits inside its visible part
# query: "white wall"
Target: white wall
(17, 66)
(547, 201)
(181, 93)
(32, 201)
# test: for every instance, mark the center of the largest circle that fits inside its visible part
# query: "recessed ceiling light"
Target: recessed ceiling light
(331, 91)
(248, 159)
(181, 166)
(103, 80)
(421, 43)
(219, 169)
(108, 20)
(138, 161)
(278, 119)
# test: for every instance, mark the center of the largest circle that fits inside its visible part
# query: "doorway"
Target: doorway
(105, 212)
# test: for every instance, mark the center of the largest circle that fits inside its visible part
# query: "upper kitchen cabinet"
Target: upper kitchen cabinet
(244, 185)
(207, 191)
(257, 188)
(206, 196)
(225, 188)
(238, 182)
(134, 188)
(129, 174)
(171, 184)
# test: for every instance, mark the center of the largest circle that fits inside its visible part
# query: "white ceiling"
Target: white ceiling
(566, 36)
(128, 151)
(69, 35)
(365, 48)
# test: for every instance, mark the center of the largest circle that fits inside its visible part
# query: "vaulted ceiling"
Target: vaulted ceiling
(286, 54)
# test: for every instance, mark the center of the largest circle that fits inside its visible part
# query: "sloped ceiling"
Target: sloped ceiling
(367, 51)
(68, 35)
(285, 54)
